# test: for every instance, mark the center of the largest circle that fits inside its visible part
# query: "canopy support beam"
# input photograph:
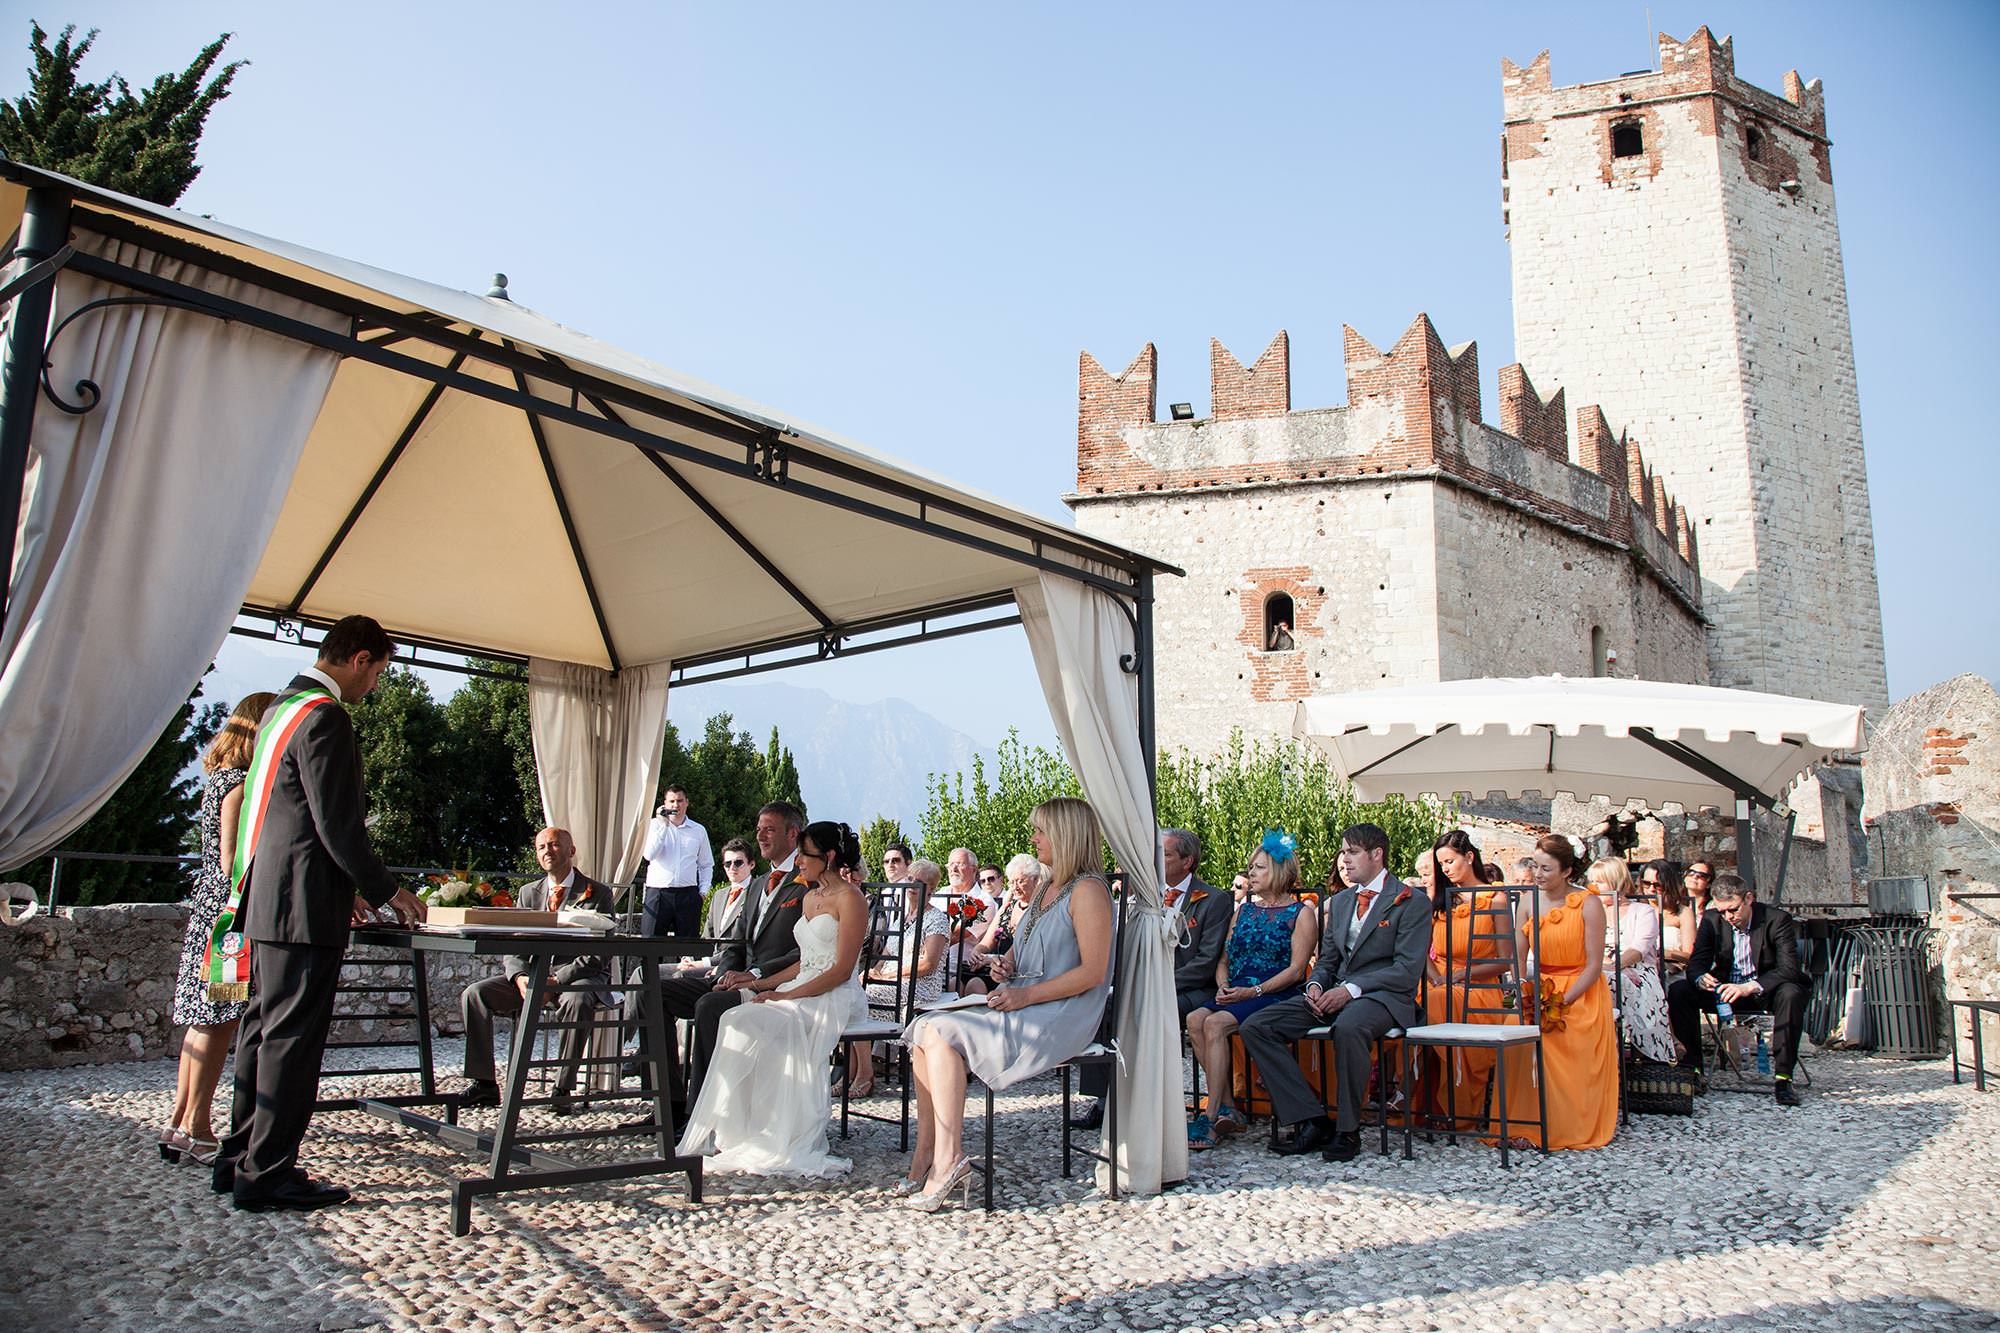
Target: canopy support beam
(1703, 765)
(569, 526)
(44, 233)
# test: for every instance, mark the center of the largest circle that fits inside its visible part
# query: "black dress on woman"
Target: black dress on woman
(192, 1007)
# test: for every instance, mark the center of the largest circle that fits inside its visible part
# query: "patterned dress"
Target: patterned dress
(192, 1007)
(1260, 947)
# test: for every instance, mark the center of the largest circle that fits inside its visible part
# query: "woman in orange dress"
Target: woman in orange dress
(1461, 873)
(1579, 1043)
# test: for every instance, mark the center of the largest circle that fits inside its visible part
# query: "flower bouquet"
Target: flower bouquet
(1552, 1006)
(461, 888)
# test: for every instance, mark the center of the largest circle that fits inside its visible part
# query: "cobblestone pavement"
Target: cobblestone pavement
(1873, 1207)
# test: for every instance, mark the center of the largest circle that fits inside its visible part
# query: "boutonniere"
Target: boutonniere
(789, 902)
(1197, 896)
(1401, 898)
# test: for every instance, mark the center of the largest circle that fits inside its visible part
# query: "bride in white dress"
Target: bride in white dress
(764, 1107)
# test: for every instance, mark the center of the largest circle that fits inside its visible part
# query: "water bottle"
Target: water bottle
(1509, 992)
(1763, 1054)
(1723, 1012)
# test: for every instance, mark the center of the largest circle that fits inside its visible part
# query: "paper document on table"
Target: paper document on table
(962, 1002)
(506, 930)
(595, 922)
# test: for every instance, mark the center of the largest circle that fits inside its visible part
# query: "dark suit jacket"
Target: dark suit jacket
(1774, 947)
(1389, 950)
(1205, 919)
(313, 856)
(585, 893)
(768, 946)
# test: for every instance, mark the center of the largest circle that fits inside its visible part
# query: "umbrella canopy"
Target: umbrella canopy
(1653, 742)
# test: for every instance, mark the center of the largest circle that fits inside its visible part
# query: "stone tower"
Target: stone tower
(1676, 259)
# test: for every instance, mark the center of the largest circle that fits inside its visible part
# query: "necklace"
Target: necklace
(1035, 909)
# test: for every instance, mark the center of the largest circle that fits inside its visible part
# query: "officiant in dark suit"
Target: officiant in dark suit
(1746, 954)
(760, 952)
(561, 886)
(309, 869)
(1372, 949)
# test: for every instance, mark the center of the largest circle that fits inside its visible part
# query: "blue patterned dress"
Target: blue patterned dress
(1260, 947)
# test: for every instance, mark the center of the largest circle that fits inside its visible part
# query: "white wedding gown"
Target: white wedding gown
(764, 1106)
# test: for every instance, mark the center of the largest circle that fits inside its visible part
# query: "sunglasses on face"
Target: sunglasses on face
(735, 861)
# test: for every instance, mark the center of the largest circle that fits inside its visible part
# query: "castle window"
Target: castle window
(1627, 139)
(1597, 662)
(1753, 143)
(1278, 619)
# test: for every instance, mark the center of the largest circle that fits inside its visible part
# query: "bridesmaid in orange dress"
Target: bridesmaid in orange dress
(1461, 873)
(1579, 1043)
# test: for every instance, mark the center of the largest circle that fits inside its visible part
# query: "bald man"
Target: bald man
(562, 885)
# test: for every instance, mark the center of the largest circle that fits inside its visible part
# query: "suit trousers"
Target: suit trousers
(1356, 1028)
(1092, 1080)
(672, 912)
(482, 1001)
(278, 1048)
(691, 997)
(1786, 1004)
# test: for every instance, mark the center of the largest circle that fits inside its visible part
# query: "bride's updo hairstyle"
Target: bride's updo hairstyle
(836, 842)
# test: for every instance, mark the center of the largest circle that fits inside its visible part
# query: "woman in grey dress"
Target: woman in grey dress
(1044, 1010)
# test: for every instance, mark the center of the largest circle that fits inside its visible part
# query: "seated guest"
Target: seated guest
(1579, 1043)
(1635, 969)
(1265, 962)
(726, 902)
(1462, 968)
(760, 953)
(1426, 876)
(1661, 881)
(1239, 887)
(921, 951)
(1025, 876)
(1047, 1008)
(1697, 877)
(1377, 936)
(1201, 914)
(1524, 870)
(1746, 954)
(972, 965)
(563, 885)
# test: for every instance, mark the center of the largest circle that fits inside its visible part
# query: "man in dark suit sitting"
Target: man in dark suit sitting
(1746, 955)
(310, 870)
(1376, 940)
(1202, 915)
(760, 953)
(562, 885)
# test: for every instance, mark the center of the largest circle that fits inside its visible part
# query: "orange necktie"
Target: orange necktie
(1173, 896)
(556, 898)
(1363, 899)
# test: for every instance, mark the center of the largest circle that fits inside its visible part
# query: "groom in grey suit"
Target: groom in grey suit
(1371, 953)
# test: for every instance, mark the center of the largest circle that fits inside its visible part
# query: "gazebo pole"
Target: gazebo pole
(1148, 719)
(1746, 842)
(44, 230)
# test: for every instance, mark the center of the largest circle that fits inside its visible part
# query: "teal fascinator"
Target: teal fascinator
(1279, 845)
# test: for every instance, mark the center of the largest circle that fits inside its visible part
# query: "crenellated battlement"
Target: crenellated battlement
(1412, 410)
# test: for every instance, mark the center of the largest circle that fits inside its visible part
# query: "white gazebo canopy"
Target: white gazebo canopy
(1652, 742)
(197, 422)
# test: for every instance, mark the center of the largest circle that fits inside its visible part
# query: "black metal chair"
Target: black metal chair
(884, 1023)
(1103, 1051)
(1515, 1023)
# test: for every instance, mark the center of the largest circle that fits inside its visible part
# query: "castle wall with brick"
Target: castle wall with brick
(1676, 260)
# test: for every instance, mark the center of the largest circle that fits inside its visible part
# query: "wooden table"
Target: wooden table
(512, 1164)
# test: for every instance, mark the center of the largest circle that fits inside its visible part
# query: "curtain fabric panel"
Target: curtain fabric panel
(1078, 633)
(597, 756)
(141, 523)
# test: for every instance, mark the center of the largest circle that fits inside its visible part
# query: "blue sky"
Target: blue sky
(903, 222)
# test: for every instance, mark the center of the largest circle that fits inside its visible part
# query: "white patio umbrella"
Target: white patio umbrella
(1653, 742)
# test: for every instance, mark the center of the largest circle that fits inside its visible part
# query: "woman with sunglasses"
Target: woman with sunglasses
(1661, 881)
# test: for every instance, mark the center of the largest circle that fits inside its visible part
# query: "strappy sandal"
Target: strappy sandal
(173, 1144)
(203, 1152)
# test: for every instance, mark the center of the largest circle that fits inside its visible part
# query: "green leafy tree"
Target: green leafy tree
(139, 144)
(876, 835)
(726, 778)
(405, 757)
(781, 774)
(151, 814)
(992, 817)
(494, 803)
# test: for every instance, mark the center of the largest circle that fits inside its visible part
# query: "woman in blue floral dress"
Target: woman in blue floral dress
(1267, 958)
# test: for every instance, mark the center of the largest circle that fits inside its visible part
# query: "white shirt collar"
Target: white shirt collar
(784, 867)
(1372, 886)
(1182, 887)
(325, 680)
(568, 881)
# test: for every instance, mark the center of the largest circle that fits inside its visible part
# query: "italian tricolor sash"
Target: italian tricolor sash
(227, 966)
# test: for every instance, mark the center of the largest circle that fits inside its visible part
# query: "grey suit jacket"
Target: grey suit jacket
(767, 945)
(1389, 950)
(585, 893)
(1205, 929)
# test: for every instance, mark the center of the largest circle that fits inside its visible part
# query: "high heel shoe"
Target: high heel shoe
(202, 1152)
(905, 1187)
(958, 1178)
(173, 1143)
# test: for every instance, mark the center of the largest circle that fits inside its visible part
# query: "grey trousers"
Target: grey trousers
(483, 1000)
(1356, 1028)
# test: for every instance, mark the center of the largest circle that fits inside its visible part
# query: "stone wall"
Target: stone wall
(95, 985)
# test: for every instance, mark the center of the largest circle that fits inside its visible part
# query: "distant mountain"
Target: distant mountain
(856, 761)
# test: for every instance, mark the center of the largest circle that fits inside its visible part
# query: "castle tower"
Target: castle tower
(1676, 259)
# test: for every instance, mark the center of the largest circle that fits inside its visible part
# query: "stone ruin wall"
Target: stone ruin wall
(95, 985)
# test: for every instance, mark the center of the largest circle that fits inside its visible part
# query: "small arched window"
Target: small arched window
(1627, 139)
(1598, 666)
(1278, 620)
(1753, 143)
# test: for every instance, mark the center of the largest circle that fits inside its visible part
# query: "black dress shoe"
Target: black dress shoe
(300, 1194)
(1786, 1094)
(564, 1105)
(1313, 1135)
(479, 1093)
(1345, 1146)
(1091, 1117)
(222, 1177)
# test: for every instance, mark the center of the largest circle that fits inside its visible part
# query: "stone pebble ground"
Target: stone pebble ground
(1876, 1206)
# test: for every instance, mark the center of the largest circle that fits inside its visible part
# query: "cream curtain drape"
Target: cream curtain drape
(1078, 633)
(597, 756)
(141, 524)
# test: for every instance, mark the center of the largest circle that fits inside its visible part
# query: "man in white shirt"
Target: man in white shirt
(679, 867)
(1371, 953)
